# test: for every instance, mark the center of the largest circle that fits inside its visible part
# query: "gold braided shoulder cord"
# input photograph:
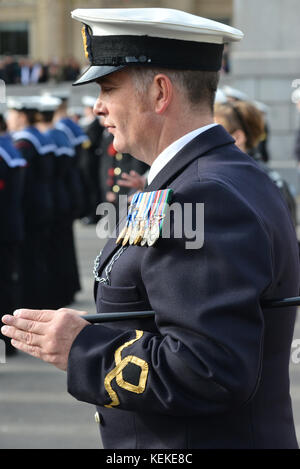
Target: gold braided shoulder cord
(117, 373)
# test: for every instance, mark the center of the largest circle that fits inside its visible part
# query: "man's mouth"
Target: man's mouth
(109, 128)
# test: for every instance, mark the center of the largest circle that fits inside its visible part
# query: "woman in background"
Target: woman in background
(245, 122)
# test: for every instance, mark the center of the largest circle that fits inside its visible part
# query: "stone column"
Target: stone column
(52, 20)
(265, 65)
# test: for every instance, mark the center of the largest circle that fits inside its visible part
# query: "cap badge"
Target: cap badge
(86, 36)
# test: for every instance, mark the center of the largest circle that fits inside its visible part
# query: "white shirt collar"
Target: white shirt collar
(168, 153)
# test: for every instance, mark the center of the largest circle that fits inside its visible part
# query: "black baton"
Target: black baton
(119, 316)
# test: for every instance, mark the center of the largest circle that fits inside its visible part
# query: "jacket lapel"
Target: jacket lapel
(208, 140)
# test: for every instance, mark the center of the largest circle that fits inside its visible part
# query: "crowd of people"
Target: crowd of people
(52, 172)
(25, 71)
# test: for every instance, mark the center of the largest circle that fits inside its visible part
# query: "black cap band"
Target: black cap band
(154, 51)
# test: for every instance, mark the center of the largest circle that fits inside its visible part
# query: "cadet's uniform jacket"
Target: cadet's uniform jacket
(211, 371)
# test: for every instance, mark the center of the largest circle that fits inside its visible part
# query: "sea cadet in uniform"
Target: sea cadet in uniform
(91, 157)
(78, 139)
(38, 203)
(12, 174)
(211, 369)
(62, 259)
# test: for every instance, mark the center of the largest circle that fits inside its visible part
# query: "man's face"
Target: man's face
(14, 120)
(124, 113)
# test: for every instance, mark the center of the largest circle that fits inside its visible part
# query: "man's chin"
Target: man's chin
(118, 146)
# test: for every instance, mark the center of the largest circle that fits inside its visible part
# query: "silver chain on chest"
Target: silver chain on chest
(109, 266)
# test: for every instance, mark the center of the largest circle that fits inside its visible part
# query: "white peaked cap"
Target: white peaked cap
(48, 103)
(157, 22)
(262, 107)
(58, 93)
(118, 37)
(75, 111)
(296, 96)
(22, 102)
(235, 93)
(220, 96)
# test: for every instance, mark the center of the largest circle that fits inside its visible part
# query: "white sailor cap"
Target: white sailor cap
(234, 93)
(158, 37)
(88, 101)
(47, 103)
(75, 111)
(296, 96)
(60, 93)
(22, 103)
(262, 107)
(220, 96)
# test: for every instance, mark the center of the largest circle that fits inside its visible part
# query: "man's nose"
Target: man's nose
(99, 107)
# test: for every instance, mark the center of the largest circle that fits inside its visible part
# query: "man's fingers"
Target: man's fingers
(27, 325)
(27, 338)
(30, 349)
(39, 315)
(123, 183)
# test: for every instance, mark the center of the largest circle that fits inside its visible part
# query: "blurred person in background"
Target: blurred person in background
(76, 113)
(12, 173)
(114, 175)
(10, 70)
(63, 258)
(70, 69)
(91, 158)
(77, 139)
(235, 95)
(38, 200)
(245, 122)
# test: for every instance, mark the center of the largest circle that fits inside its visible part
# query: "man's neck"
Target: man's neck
(169, 135)
(43, 126)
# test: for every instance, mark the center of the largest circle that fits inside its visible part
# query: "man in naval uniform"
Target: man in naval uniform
(211, 369)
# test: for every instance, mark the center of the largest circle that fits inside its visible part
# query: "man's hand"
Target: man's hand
(132, 180)
(45, 334)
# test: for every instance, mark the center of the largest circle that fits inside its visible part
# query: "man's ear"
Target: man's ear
(163, 92)
(240, 137)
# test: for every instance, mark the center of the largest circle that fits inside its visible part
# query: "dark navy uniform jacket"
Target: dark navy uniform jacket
(75, 181)
(211, 371)
(38, 151)
(73, 131)
(12, 172)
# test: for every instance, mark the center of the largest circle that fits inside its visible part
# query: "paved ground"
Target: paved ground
(35, 409)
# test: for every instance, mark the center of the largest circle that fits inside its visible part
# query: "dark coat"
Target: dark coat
(212, 370)
(113, 164)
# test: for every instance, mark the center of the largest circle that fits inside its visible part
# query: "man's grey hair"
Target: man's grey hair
(199, 86)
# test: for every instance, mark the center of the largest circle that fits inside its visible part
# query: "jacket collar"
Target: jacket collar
(200, 145)
(204, 142)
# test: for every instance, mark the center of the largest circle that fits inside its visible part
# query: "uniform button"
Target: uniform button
(97, 417)
(117, 171)
(119, 156)
(116, 188)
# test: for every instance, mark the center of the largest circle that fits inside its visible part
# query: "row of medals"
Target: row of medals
(139, 234)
